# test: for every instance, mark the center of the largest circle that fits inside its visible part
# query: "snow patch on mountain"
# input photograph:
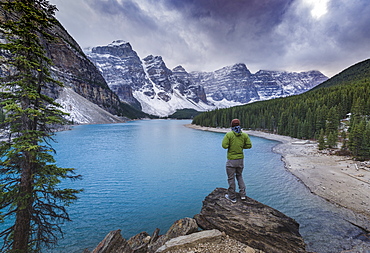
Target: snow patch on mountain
(82, 111)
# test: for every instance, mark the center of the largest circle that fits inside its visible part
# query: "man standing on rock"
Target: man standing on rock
(235, 141)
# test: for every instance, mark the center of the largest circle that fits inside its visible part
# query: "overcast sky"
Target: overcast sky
(205, 35)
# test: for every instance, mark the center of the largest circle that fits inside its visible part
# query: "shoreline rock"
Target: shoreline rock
(247, 225)
(251, 222)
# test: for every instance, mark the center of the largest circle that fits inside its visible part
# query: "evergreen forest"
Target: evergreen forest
(336, 113)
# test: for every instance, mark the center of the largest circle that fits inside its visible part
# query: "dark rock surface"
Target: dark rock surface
(113, 243)
(76, 71)
(251, 222)
(139, 243)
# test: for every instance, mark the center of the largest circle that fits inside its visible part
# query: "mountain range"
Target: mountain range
(150, 86)
(147, 84)
(111, 83)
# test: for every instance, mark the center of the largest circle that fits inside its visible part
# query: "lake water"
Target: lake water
(143, 175)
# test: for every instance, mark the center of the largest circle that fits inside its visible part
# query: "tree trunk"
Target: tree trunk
(24, 211)
(22, 229)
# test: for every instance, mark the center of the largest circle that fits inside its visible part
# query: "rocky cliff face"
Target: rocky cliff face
(122, 78)
(148, 83)
(78, 73)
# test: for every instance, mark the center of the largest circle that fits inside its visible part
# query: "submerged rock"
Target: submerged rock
(251, 222)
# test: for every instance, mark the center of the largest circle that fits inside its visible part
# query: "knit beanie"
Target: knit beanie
(235, 122)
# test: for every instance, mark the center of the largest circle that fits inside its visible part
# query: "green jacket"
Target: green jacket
(235, 143)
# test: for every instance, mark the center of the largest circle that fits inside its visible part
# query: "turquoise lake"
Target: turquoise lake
(143, 175)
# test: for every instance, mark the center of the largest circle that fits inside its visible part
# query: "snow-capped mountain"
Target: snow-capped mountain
(121, 68)
(272, 84)
(147, 84)
(150, 86)
(235, 85)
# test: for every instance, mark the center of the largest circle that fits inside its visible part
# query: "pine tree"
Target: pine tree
(29, 176)
(356, 138)
(366, 143)
(344, 140)
(321, 140)
(332, 139)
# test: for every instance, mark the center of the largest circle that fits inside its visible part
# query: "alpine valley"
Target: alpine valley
(149, 85)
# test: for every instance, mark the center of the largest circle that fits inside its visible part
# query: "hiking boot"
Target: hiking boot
(232, 200)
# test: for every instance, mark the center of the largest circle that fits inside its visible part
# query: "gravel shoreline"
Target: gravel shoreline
(338, 179)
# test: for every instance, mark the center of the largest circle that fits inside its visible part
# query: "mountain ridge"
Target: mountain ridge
(158, 89)
(150, 85)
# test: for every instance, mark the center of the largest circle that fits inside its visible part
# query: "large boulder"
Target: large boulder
(251, 222)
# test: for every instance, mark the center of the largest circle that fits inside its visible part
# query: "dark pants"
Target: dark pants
(234, 169)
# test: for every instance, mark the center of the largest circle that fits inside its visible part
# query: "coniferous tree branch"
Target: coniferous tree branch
(29, 177)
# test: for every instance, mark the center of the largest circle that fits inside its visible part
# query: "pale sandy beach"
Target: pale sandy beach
(337, 179)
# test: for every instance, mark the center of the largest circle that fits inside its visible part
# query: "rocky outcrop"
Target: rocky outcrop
(142, 242)
(113, 243)
(251, 222)
(245, 226)
(181, 227)
(187, 87)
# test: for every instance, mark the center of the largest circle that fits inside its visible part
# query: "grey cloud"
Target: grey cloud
(128, 10)
(233, 31)
(210, 34)
(337, 40)
(225, 17)
(350, 24)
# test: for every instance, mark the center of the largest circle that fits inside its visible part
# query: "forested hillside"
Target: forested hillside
(336, 111)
